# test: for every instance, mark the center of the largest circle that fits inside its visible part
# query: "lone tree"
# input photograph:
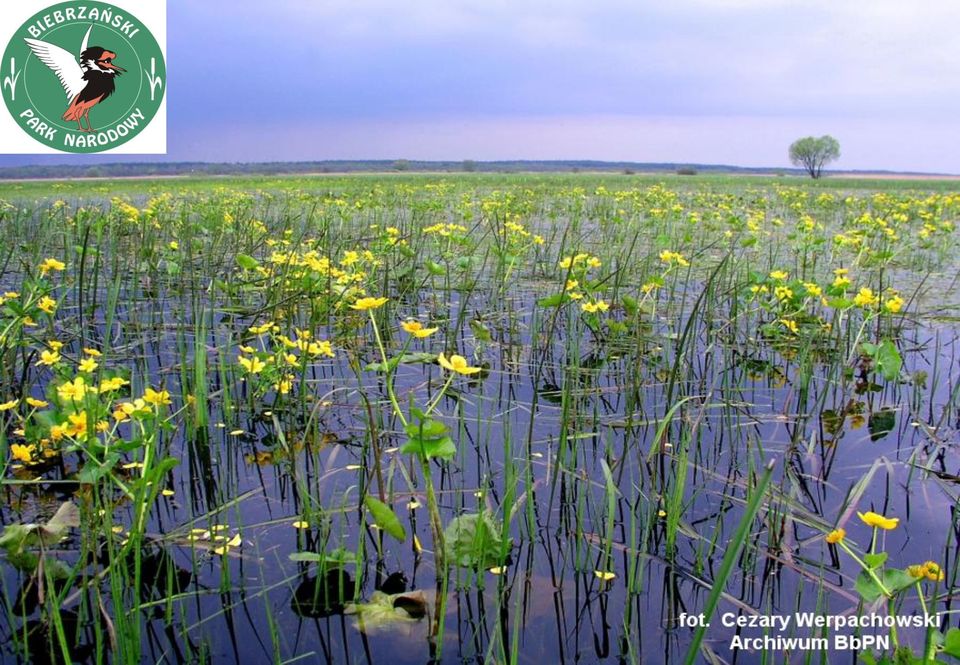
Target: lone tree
(812, 153)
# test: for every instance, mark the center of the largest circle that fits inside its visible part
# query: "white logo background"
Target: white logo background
(151, 141)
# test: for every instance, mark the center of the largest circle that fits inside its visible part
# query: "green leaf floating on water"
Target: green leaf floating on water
(473, 541)
(16, 537)
(383, 610)
(385, 518)
(881, 423)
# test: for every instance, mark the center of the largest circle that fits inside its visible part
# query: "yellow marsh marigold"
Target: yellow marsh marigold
(933, 571)
(791, 325)
(783, 293)
(113, 383)
(77, 424)
(594, 307)
(457, 364)
(259, 330)
(668, 257)
(51, 264)
(88, 365)
(779, 275)
(866, 298)
(47, 304)
(22, 453)
(893, 305)
(836, 536)
(416, 329)
(879, 521)
(73, 390)
(251, 365)
(363, 304)
(156, 397)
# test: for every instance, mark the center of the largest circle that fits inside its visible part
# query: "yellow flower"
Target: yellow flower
(156, 398)
(841, 282)
(813, 290)
(778, 275)
(866, 298)
(791, 325)
(259, 330)
(321, 348)
(114, 383)
(416, 329)
(917, 571)
(783, 293)
(54, 344)
(51, 264)
(73, 390)
(22, 453)
(594, 307)
(669, 257)
(88, 365)
(47, 304)
(77, 424)
(364, 304)
(284, 385)
(836, 536)
(252, 365)
(49, 358)
(879, 521)
(933, 571)
(93, 353)
(124, 410)
(893, 305)
(37, 403)
(174, 245)
(6, 406)
(457, 364)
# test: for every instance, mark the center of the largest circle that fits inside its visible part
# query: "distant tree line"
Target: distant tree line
(166, 169)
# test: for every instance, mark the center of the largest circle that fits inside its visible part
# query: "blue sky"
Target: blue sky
(714, 81)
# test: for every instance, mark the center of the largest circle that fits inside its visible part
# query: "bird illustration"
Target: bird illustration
(87, 83)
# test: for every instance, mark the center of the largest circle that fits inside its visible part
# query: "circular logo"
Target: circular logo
(83, 76)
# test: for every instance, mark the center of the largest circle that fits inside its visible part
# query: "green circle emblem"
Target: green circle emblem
(83, 76)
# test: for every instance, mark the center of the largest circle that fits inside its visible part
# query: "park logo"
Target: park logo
(84, 77)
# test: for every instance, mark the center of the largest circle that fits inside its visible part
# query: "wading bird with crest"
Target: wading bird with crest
(87, 82)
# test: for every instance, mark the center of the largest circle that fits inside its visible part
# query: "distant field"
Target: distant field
(416, 418)
(148, 185)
